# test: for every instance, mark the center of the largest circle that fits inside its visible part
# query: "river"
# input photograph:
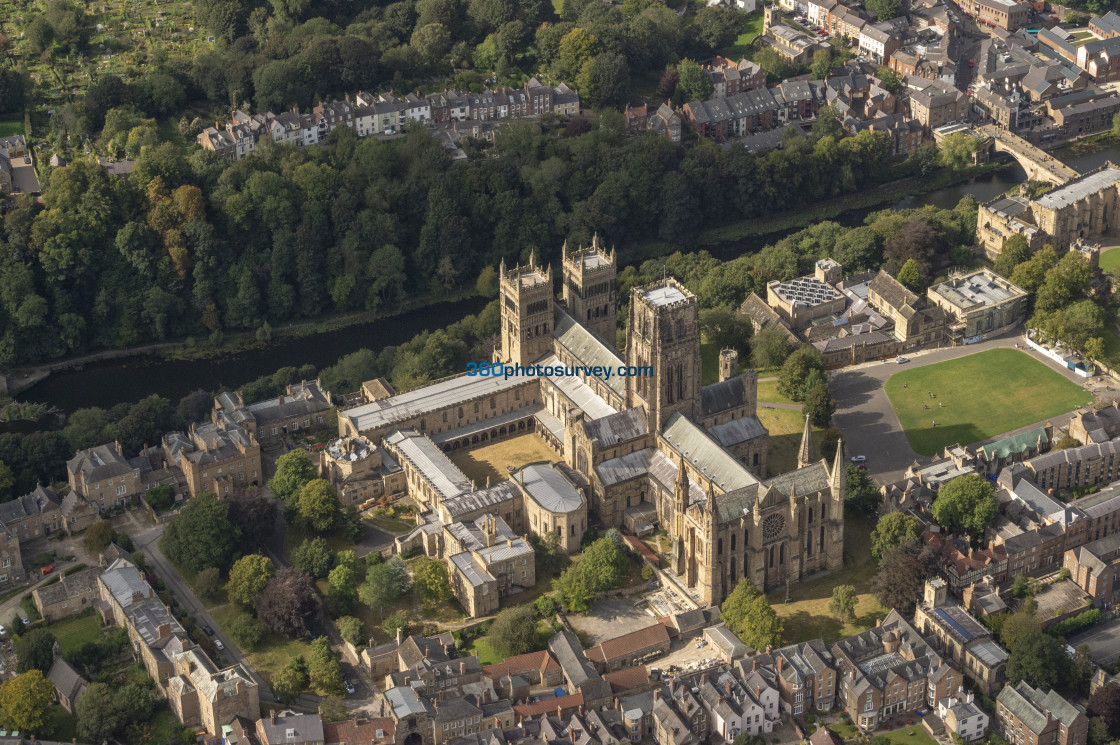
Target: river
(110, 382)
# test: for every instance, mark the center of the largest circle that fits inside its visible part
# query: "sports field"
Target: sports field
(977, 397)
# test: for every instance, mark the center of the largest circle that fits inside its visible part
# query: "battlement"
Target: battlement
(587, 262)
(526, 277)
(664, 294)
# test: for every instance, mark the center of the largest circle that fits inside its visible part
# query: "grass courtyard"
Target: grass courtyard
(76, 631)
(752, 27)
(806, 616)
(1110, 260)
(977, 397)
(786, 427)
(491, 460)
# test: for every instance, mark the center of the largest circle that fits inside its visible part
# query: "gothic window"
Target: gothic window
(809, 546)
(680, 329)
(772, 527)
(731, 569)
(824, 512)
(822, 538)
(719, 547)
(771, 557)
(810, 514)
(746, 538)
(669, 384)
(782, 553)
(733, 536)
(680, 381)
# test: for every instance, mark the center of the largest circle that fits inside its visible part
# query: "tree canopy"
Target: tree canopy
(893, 529)
(966, 505)
(24, 700)
(248, 577)
(747, 612)
(201, 535)
(514, 631)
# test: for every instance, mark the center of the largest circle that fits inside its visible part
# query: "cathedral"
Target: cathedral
(641, 451)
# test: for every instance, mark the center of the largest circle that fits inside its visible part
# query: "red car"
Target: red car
(48, 569)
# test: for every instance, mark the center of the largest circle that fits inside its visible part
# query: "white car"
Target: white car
(218, 645)
(900, 360)
(859, 458)
(25, 620)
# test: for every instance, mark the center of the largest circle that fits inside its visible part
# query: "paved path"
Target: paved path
(865, 416)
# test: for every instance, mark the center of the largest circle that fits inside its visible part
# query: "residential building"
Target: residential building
(1027, 716)
(290, 728)
(104, 477)
(34, 515)
(73, 593)
(1094, 566)
(964, 640)
(217, 458)
(962, 717)
(938, 103)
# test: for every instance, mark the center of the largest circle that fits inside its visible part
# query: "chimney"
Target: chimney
(463, 667)
(486, 696)
(728, 687)
(427, 651)
(656, 694)
(400, 635)
(272, 715)
(781, 663)
(754, 663)
(164, 630)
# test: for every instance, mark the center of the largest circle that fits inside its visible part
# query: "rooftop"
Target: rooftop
(664, 296)
(808, 291)
(1080, 188)
(549, 488)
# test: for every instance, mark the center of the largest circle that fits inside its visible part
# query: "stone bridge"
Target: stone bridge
(1039, 165)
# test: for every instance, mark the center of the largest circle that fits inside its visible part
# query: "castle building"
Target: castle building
(638, 439)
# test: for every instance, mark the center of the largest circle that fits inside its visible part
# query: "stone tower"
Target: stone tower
(590, 292)
(526, 307)
(728, 364)
(663, 333)
(771, 16)
(936, 592)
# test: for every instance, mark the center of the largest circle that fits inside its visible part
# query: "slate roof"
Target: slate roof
(616, 428)
(737, 431)
(705, 454)
(67, 680)
(100, 462)
(292, 728)
(549, 488)
(727, 394)
(586, 347)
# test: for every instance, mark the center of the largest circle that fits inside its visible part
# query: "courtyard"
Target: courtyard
(977, 397)
(490, 461)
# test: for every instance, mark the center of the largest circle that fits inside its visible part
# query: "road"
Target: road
(865, 416)
(1103, 641)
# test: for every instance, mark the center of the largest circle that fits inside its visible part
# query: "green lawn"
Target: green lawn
(486, 654)
(768, 391)
(786, 427)
(74, 632)
(11, 125)
(977, 397)
(752, 27)
(273, 653)
(912, 735)
(1110, 260)
(806, 616)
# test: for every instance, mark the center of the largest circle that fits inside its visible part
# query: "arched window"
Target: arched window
(782, 554)
(746, 538)
(822, 538)
(771, 557)
(731, 569)
(719, 547)
(733, 541)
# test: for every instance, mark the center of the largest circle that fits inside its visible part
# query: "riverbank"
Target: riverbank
(881, 196)
(190, 349)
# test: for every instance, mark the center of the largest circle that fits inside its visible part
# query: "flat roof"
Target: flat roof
(664, 295)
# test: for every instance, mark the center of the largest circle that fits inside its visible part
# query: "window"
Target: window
(120, 491)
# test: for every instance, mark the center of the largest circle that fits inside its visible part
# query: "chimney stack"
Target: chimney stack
(272, 715)
(400, 635)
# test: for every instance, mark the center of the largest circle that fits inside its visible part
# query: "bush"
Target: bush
(546, 606)
(350, 629)
(1077, 624)
(245, 631)
(647, 572)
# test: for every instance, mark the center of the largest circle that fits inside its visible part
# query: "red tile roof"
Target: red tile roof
(549, 706)
(628, 644)
(351, 732)
(542, 661)
(627, 678)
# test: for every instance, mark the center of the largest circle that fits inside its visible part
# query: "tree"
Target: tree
(1015, 251)
(352, 527)
(889, 79)
(902, 575)
(291, 680)
(1040, 660)
(318, 504)
(24, 701)
(884, 10)
(769, 348)
(208, 582)
(323, 670)
(747, 612)
(161, 497)
(432, 42)
(1105, 703)
(821, 65)
(843, 603)
(668, 83)
(956, 150)
(860, 493)
(98, 537)
(432, 581)
(248, 577)
(245, 631)
(514, 631)
(385, 583)
(727, 329)
(201, 535)
(894, 529)
(254, 516)
(342, 587)
(1020, 626)
(796, 370)
(717, 26)
(293, 471)
(967, 504)
(313, 556)
(35, 651)
(819, 405)
(693, 83)
(350, 629)
(400, 620)
(910, 275)
(287, 602)
(604, 79)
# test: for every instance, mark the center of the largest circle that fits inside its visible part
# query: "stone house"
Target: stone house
(33, 515)
(1027, 716)
(290, 728)
(11, 562)
(69, 684)
(1094, 566)
(104, 477)
(214, 458)
(72, 594)
(303, 408)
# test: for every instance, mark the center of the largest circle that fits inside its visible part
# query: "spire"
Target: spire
(681, 487)
(564, 252)
(502, 267)
(838, 476)
(805, 455)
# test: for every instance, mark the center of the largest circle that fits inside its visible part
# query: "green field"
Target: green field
(1110, 260)
(977, 397)
(11, 125)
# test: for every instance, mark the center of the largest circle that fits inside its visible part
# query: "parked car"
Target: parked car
(219, 646)
(25, 621)
(349, 686)
(209, 631)
(900, 360)
(859, 458)
(2, 629)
